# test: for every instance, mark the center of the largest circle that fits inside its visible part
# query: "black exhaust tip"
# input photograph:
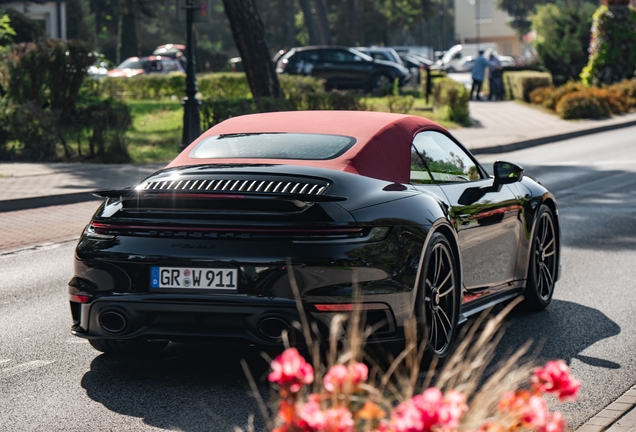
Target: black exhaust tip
(113, 321)
(273, 328)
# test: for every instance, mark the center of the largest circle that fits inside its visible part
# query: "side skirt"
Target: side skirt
(476, 306)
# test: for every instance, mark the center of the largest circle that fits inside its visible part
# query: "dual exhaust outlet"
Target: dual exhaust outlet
(114, 322)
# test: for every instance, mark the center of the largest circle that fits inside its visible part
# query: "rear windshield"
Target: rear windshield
(273, 146)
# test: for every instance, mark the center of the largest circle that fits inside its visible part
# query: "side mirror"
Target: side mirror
(507, 172)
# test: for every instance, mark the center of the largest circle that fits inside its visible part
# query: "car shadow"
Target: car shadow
(190, 387)
(562, 331)
(203, 387)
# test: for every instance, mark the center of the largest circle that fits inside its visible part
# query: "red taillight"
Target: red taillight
(79, 298)
(347, 307)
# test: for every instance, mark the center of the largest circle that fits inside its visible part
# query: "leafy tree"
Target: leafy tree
(520, 12)
(25, 29)
(612, 55)
(563, 38)
(6, 31)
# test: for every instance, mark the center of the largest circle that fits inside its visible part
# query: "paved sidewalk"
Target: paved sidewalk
(50, 202)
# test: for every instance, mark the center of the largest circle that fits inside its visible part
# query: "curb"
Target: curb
(520, 145)
(46, 201)
(619, 416)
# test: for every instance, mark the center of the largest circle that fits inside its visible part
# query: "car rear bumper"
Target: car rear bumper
(179, 318)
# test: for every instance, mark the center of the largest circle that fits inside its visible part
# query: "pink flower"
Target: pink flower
(291, 371)
(556, 423)
(453, 409)
(338, 420)
(342, 378)
(430, 404)
(429, 410)
(555, 378)
(406, 417)
(530, 409)
(312, 415)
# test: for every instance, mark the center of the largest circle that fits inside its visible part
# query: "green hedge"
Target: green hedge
(582, 105)
(213, 85)
(215, 110)
(452, 97)
(518, 85)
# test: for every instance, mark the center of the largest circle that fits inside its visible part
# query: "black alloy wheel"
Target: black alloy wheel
(439, 296)
(542, 272)
(130, 348)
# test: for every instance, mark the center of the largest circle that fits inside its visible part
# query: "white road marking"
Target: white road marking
(4, 360)
(25, 367)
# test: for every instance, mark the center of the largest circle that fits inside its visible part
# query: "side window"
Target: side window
(419, 173)
(169, 66)
(446, 161)
(338, 56)
(305, 62)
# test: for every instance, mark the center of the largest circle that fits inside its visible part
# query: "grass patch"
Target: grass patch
(420, 109)
(155, 135)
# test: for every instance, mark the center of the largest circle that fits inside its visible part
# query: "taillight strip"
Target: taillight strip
(104, 226)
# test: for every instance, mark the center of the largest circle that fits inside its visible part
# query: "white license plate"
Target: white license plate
(193, 278)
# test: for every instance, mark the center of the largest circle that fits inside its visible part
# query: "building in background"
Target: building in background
(480, 21)
(50, 14)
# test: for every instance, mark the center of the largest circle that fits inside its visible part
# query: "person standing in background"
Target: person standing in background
(479, 73)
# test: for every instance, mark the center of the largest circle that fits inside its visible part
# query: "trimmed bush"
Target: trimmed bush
(518, 85)
(540, 94)
(627, 91)
(452, 98)
(552, 99)
(582, 105)
(400, 104)
(214, 111)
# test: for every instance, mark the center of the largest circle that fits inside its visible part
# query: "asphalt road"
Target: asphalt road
(51, 381)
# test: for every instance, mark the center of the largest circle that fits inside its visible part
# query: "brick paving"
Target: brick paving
(25, 228)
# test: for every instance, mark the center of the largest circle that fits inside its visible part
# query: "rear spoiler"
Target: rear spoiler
(129, 193)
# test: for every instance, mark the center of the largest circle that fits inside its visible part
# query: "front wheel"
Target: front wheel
(542, 271)
(438, 302)
(130, 348)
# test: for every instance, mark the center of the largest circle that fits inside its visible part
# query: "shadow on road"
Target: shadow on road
(562, 331)
(202, 387)
(189, 388)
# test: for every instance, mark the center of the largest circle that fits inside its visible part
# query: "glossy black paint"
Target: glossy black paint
(376, 235)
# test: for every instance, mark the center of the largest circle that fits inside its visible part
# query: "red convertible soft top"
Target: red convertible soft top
(382, 149)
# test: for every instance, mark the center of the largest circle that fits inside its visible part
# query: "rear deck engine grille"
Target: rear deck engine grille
(235, 185)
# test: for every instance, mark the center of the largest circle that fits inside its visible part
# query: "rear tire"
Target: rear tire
(381, 84)
(542, 270)
(438, 297)
(130, 348)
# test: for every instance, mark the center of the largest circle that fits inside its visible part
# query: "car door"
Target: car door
(487, 219)
(339, 68)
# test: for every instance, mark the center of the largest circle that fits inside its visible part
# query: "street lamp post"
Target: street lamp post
(191, 105)
(477, 21)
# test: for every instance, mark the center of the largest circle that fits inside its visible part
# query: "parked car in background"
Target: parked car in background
(465, 64)
(416, 65)
(169, 50)
(343, 68)
(145, 65)
(382, 53)
(450, 61)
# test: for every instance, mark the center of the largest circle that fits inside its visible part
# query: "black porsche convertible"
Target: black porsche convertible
(391, 205)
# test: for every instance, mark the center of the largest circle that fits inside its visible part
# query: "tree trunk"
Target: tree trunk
(310, 22)
(128, 43)
(249, 36)
(356, 23)
(290, 24)
(323, 22)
